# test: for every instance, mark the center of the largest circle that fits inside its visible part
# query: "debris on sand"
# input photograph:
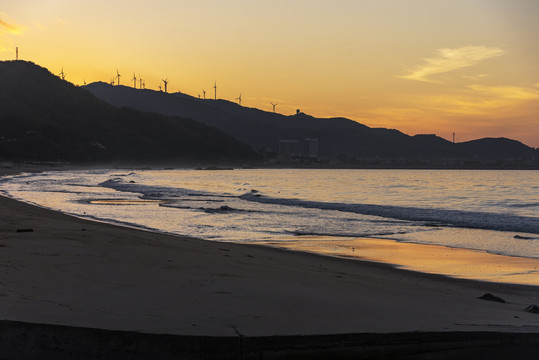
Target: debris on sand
(490, 297)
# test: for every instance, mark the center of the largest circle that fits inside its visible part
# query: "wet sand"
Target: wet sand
(72, 272)
(433, 259)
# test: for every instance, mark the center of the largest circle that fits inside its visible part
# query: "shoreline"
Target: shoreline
(84, 274)
(63, 249)
(476, 261)
(283, 166)
(471, 264)
(340, 242)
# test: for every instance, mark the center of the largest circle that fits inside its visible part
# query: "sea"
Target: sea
(495, 211)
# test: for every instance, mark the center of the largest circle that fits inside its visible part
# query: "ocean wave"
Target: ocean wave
(431, 217)
(158, 192)
(353, 234)
(207, 210)
(525, 205)
(440, 217)
(149, 192)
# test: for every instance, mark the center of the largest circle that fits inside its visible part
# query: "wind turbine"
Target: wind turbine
(62, 74)
(112, 81)
(215, 88)
(165, 81)
(118, 76)
(239, 100)
(84, 81)
(204, 92)
(160, 88)
(274, 105)
(134, 81)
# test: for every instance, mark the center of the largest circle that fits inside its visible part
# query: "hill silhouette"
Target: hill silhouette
(337, 136)
(45, 118)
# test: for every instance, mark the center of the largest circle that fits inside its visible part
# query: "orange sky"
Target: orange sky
(420, 66)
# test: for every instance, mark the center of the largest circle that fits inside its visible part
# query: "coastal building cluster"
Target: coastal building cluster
(292, 147)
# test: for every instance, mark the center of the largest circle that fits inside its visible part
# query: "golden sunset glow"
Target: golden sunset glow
(419, 66)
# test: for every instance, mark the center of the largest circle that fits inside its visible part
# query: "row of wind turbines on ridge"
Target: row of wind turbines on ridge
(142, 85)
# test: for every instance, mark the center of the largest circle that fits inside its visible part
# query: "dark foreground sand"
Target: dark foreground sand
(78, 289)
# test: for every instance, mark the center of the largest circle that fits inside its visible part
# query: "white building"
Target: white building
(311, 147)
(289, 147)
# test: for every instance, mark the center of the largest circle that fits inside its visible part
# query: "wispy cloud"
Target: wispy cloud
(508, 92)
(475, 77)
(453, 59)
(8, 26)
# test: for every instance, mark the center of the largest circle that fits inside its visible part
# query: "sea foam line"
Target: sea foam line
(446, 217)
(468, 219)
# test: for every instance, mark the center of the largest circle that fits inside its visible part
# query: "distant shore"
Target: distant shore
(10, 167)
(64, 271)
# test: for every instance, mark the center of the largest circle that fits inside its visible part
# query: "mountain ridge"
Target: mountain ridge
(43, 117)
(337, 136)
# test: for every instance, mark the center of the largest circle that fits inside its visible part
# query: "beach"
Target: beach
(60, 270)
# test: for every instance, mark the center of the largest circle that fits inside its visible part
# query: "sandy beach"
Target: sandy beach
(60, 270)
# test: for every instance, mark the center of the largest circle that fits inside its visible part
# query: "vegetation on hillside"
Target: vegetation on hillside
(43, 117)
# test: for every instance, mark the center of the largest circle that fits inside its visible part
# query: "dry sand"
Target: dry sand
(73, 272)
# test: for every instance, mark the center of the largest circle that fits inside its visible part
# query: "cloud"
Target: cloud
(508, 92)
(9, 27)
(477, 100)
(475, 77)
(453, 59)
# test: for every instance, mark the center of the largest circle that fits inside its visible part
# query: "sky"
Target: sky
(469, 67)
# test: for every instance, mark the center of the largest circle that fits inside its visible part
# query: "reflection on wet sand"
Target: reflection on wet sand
(435, 259)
